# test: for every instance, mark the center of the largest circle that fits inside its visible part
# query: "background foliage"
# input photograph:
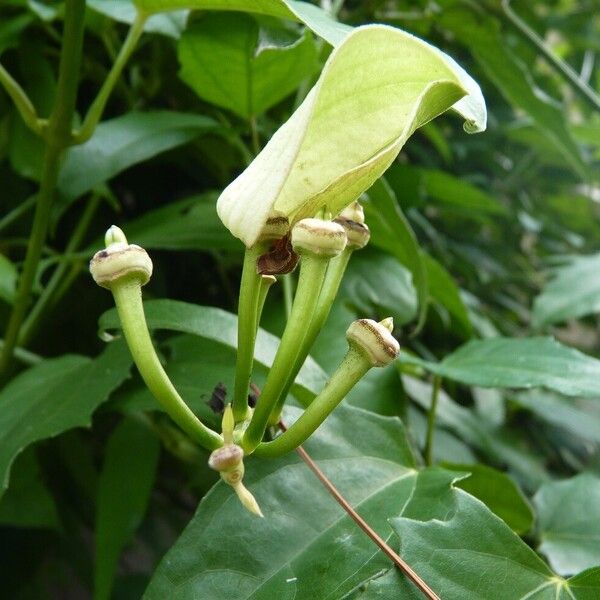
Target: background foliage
(483, 247)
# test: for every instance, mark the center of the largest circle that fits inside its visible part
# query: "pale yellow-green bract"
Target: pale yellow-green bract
(378, 86)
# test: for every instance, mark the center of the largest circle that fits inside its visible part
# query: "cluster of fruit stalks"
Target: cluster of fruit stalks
(323, 249)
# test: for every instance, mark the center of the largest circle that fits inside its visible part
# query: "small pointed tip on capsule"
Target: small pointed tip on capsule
(114, 235)
(248, 500)
(228, 424)
(388, 323)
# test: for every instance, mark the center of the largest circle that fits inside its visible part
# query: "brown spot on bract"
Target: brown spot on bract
(280, 259)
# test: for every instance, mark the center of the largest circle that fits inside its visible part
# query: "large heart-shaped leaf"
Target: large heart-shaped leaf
(296, 551)
(569, 523)
(520, 363)
(469, 554)
(377, 87)
(54, 396)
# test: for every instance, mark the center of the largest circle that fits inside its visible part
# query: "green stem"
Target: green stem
(312, 273)
(351, 370)
(435, 392)
(288, 293)
(26, 357)
(247, 326)
(58, 137)
(584, 90)
(331, 285)
(21, 101)
(40, 308)
(128, 299)
(95, 111)
(266, 282)
(17, 212)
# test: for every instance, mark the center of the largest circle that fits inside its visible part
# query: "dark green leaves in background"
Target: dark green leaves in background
(236, 63)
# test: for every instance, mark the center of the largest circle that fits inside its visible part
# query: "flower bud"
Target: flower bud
(120, 259)
(318, 237)
(353, 212)
(374, 340)
(352, 219)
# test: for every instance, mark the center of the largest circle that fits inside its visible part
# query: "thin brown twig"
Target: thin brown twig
(386, 549)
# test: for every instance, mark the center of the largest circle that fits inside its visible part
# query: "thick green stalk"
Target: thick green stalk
(58, 137)
(33, 319)
(351, 370)
(95, 111)
(331, 285)
(247, 327)
(128, 299)
(312, 273)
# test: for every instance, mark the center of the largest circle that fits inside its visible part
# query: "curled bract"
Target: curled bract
(378, 86)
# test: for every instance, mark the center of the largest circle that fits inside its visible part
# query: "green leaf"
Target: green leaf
(472, 108)
(222, 61)
(578, 416)
(226, 553)
(8, 279)
(519, 363)
(54, 396)
(391, 231)
(375, 285)
(347, 131)
(27, 502)
(573, 291)
(481, 35)
(444, 291)
(498, 444)
(124, 490)
(195, 366)
(469, 554)
(321, 22)
(188, 224)
(569, 522)
(498, 492)
(218, 325)
(124, 11)
(123, 142)
(456, 194)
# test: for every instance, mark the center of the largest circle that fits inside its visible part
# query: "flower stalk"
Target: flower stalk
(371, 344)
(123, 269)
(352, 219)
(317, 242)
